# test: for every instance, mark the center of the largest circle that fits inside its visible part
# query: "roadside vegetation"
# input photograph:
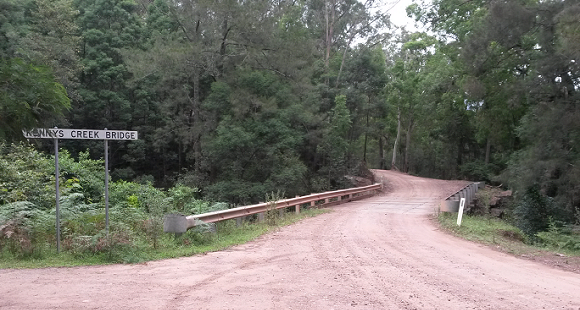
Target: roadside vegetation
(516, 232)
(27, 216)
(195, 241)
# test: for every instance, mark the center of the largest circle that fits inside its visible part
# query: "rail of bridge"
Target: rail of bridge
(177, 223)
(451, 203)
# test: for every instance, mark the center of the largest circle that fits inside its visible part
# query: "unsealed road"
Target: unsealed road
(378, 253)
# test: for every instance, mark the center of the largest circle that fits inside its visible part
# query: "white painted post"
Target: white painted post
(460, 213)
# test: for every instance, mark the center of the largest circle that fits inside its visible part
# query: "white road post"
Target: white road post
(460, 213)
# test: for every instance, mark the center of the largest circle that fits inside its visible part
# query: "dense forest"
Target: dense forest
(243, 98)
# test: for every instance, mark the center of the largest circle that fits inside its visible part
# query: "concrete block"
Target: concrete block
(174, 223)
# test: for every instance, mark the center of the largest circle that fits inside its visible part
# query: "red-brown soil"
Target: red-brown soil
(379, 253)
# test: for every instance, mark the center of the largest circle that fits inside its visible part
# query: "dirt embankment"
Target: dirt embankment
(378, 253)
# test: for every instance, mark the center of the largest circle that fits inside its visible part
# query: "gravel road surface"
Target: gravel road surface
(379, 253)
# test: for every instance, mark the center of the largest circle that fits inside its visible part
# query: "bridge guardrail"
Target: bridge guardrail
(451, 203)
(177, 223)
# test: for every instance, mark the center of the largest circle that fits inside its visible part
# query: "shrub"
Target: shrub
(478, 171)
(183, 197)
(559, 237)
(26, 175)
(533, 212)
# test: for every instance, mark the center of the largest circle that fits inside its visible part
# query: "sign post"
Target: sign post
(107, 187)
(57, 173)
(83, 134)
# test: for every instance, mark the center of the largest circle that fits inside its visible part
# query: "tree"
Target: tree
(107, 26)
(53, 40)
(404, 89)
(365, 72)
(30, 96)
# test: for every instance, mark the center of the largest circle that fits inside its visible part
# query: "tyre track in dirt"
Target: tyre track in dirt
(379, 253)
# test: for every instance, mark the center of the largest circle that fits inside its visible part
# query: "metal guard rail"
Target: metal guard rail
(177, 223)
(451, 203)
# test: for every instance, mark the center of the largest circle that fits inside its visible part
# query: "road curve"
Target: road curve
(378, 253)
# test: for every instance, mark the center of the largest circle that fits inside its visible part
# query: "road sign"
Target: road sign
(85, 134)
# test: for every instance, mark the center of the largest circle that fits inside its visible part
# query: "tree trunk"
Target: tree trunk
(366, 139)
(487, 150)
(394, 160)
(381, 154)
(459, 152)
(223, 46)
(329, 6)
(327, 34)
(344, 58)
(407, 144)
(196, 128)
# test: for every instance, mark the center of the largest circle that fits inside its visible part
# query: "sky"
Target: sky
(396, 9)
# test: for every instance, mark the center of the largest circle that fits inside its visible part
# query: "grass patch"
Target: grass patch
(508, 238)
(490, 231)
(193, 242)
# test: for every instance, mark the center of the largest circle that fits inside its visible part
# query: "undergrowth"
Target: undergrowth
(507, 237)
(121, 248)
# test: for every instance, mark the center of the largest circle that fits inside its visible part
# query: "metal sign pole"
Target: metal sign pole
(57, 176)
(107, 186)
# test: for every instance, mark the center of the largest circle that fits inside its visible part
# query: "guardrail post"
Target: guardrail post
(297, 209)
(281, 212)
(261, 217)
(240, 221)
(312, 204)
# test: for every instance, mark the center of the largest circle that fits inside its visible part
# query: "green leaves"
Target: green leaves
(29, 97)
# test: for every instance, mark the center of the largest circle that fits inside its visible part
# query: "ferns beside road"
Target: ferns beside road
(27, 209)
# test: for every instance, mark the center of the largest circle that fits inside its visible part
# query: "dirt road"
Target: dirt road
(378, 253)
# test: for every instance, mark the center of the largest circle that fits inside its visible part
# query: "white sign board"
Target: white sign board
(85, 134)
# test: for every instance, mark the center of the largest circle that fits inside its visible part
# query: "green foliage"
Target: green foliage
(84, 175)
(560, 237)
(29, 97)
(533, 212)
(272, 214)
(13, 25)
(27, 215)
(25, 175)
(479, 170)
